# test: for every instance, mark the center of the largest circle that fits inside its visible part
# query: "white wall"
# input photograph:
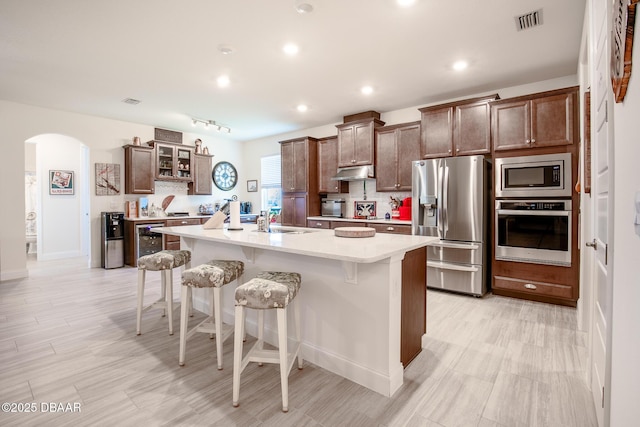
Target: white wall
(625, 351)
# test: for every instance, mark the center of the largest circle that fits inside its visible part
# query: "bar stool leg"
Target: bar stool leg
(217, 318)
(141, 278)
(283, 352)
(184, 322)
(296, 315)
(237, 353)
(167, 277)
(260, 343)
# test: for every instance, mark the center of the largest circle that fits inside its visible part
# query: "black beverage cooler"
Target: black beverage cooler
(112, 239)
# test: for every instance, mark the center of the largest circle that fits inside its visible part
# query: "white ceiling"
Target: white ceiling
(87, 56)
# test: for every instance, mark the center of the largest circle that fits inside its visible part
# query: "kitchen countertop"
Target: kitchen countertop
(377, 220)
(312, 242)
(163, 218)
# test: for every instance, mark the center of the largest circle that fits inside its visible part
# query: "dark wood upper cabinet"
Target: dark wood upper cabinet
(457, 128)
(174, 162)
(356, 142)
(299, 162)
(139, 167)
(328, 166)
(396, 147)
(202, 182)
(540, 120)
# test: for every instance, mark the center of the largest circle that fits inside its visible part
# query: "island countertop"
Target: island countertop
(307, 241)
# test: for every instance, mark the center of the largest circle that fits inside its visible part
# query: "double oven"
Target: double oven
(533, 220)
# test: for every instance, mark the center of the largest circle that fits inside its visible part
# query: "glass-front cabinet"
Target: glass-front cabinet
(173, 162)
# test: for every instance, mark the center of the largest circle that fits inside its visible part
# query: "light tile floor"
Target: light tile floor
(67, 335)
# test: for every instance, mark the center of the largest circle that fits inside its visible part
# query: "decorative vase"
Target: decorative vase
(198, 146)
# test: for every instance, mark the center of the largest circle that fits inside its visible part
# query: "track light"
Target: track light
(212, 123)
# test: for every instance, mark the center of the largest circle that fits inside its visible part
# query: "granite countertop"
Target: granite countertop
(307, 241)
(376, 220)
(163, 218)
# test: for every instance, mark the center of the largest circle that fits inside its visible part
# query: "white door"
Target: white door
(602, 205)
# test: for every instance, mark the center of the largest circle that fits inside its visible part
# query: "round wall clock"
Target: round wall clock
(224, 176)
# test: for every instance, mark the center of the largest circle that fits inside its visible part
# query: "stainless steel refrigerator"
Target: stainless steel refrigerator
(451, 201)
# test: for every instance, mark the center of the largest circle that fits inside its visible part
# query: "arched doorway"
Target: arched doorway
(61, 217)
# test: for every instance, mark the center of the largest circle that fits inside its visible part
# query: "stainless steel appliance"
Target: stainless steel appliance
(547, 175)
(147, 242)
(112, 251)
(534, 231)
(333, 207)
(450, 200)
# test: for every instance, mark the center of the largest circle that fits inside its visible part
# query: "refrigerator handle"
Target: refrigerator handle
(445, 200)
(440, 201)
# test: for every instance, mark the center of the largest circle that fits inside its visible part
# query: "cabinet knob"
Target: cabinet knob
(390, 228)
(457, 150)
(533, 141)
(336, 187)
(531, 286)
(528, 141)
(449, 151)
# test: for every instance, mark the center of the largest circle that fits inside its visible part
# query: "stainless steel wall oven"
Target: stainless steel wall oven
(533, 231)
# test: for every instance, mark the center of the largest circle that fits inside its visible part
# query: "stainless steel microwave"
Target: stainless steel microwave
(546, 175)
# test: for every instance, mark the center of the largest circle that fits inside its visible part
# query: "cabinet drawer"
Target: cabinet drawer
(336, 224)
(391, 228)
(531, 287)
(314, 223)
(184, 221)
(172, 246)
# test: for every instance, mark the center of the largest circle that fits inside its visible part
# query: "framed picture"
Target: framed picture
(252, 185)
(60, 182)
(107, 179)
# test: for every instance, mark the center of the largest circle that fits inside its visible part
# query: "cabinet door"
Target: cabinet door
(437, 133)
(294, 210)
(183, 166)
(165, 161)
(139, 170)
(387, 161)
(408, 147)
(552, 120)
(472, 130)
(328, 166)
(346, 146)
(363, 144)
(510, 125)
(202, 183)
(294, 165)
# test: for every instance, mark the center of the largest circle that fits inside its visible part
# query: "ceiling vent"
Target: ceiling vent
(131, 101)
(529, 20)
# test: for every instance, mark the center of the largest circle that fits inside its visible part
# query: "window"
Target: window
(271, 184)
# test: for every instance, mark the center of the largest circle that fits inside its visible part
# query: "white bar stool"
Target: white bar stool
(269, 290)
(214, 275)
(164, 262)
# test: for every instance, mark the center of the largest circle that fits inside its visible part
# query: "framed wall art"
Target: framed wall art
(61, 182)
(107, 179)
(252, 185)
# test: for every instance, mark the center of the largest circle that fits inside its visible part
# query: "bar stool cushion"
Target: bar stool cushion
(214, 273)
(269, 289)
(164, 260)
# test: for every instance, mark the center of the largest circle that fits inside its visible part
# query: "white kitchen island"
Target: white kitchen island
(350, 295)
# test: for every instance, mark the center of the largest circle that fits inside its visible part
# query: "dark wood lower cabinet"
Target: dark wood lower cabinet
(414, 304)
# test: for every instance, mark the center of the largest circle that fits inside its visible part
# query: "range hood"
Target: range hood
(354, 173)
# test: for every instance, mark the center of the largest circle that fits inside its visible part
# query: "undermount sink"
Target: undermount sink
(287, 231)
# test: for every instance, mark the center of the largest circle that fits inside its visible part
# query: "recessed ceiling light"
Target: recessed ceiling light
(223, 81)
(290, 49)
(405, 3)
(460, 65)
(302, 108)
(303, 6)
(225, 49)
(366, 90)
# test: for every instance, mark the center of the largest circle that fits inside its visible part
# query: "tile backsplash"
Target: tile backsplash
(359, 189)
